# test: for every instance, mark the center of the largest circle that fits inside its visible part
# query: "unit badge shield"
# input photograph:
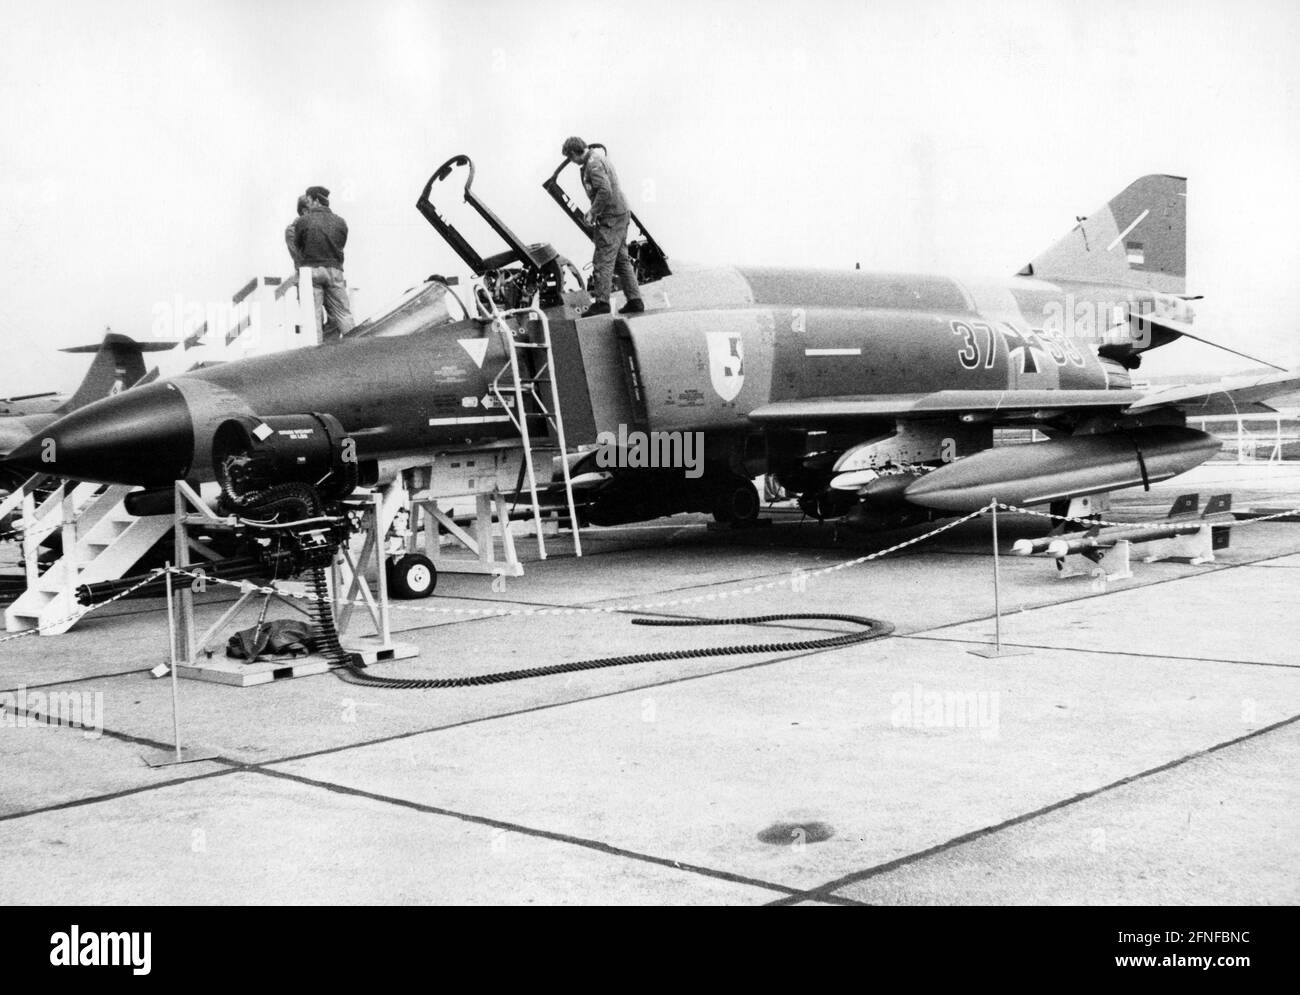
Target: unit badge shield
(726, 363)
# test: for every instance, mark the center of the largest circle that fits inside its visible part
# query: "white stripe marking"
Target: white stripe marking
(1120, 237)
(478, 420)
(832, 352)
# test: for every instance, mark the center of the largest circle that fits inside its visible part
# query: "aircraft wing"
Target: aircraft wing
(1231, 396)
(1004, 403)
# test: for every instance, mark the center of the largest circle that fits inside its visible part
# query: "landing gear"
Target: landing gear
(412, 576)
(736, 502)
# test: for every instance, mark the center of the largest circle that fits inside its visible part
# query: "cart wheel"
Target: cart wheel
(412, 576)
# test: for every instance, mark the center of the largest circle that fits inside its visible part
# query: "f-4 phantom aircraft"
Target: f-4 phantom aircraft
(868, 395)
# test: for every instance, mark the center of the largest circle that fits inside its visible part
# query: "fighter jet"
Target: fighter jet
(118, 364)
(868, 395)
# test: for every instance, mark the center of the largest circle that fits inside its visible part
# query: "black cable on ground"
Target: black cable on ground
(355, 673)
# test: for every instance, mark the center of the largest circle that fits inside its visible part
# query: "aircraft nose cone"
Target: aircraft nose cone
(143, 436)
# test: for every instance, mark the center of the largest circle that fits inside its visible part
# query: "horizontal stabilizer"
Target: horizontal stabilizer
(115, 338)
(1181, 328)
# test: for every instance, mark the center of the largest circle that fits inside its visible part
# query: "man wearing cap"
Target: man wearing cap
(609, 216)
(319, 236)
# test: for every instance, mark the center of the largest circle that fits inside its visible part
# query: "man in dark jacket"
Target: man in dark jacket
(320, 235)
(609, 215)
(291, 234)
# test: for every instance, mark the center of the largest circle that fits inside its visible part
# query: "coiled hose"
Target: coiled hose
(354, 673)
(303, 501)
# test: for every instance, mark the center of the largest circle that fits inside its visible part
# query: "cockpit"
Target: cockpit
(512, 277)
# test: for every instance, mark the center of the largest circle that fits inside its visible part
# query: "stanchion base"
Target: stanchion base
(188, 755)
(993, 653)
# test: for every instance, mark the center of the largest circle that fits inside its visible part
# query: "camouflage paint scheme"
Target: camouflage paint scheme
(806, 374)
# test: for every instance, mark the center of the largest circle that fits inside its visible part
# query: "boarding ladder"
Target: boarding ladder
(101, 541)
(523, 386)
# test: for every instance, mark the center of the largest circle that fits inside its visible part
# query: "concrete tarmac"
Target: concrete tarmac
(1141, 749)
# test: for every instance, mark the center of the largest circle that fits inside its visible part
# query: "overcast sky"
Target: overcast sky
(154, 150)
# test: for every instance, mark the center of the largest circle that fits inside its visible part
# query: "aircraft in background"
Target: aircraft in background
(872, 396)
(118, 364)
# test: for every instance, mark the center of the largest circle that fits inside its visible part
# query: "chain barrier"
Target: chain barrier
(18, 534)
(798, 576)
(794, 577)
(76, 616)
(801, 576)
(1236, 523)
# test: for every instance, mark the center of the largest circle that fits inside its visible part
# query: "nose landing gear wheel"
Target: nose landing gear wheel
(736, 503)
(412, 576)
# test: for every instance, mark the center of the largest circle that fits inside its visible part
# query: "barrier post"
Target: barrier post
(996, 650)
(178, 755)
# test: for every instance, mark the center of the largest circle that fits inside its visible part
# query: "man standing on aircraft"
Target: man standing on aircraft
(291, 235)
(609, 216)
(319, 236)
(290, 241)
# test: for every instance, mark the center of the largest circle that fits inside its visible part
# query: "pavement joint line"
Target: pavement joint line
(114, 795)
(124, 737)
(608, 849)
(74, 680)
(977, 834)
(844, 900)
(1106, 652)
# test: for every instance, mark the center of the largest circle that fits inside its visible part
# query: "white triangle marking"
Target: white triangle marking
(477, 349)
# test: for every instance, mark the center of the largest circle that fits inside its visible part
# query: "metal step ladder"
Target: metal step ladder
(101, 541)
(526, 375)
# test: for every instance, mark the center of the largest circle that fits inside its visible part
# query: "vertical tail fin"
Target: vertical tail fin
(1137, 239)
(118, 364)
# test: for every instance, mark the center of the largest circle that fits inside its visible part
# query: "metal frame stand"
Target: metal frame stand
(190, 509)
